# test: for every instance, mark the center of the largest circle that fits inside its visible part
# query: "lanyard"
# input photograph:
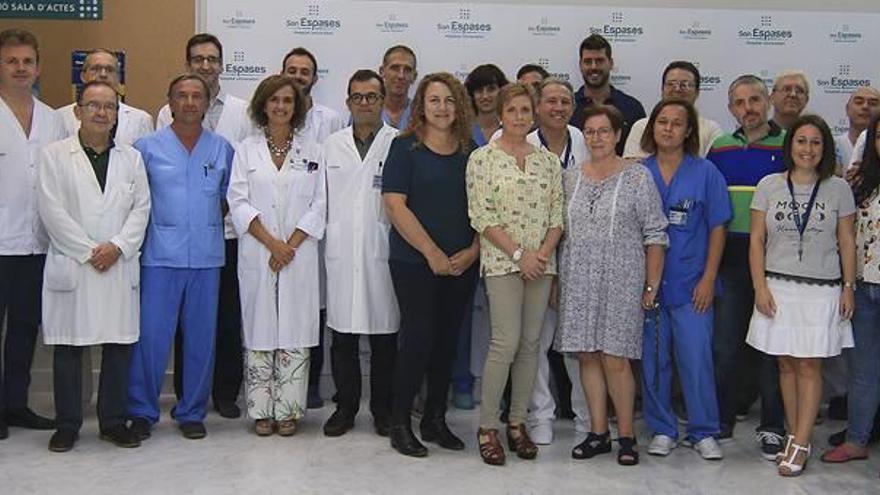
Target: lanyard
(801, 224)
(562, 161)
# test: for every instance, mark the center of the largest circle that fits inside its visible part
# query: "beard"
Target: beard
(605, 76)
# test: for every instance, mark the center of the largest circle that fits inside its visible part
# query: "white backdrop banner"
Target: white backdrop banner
(836, 50)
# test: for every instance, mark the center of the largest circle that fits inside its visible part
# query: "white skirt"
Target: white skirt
(807, 323)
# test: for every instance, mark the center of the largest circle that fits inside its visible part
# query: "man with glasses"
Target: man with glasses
(681, 80)
(398, 72)
(791, 93)
(92, 290)
(360, 297)
(227, 116)
(131, 123)
(26, 126)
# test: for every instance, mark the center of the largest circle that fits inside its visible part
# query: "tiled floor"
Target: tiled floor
(233, 460)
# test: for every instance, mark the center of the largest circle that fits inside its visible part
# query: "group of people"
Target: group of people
(235, 231)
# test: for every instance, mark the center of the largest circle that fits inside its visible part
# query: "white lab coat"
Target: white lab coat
(131, 123)
(234, 125)
(21, 232)
(321, 122)
(278, 311)
(82, 306)
(579, 151)
(360, 296)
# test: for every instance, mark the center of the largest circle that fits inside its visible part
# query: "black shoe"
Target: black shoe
(193, 430)
(314, 400)
(121, 436)
(404, 441)
(338, 424)
(227, 409)
(382, 425)
(627, 455)
(838, 438)
(63, 440)
(592, 446)
(25, 418)
(771, 443)
(435, 430)
(4, 430)
(726, 433)
(140, 427)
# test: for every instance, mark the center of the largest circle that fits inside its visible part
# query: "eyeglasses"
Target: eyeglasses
(95, 107)
(791, 88)
(369, 98)
(200, 59)
(97, 69)
(680, 85)
(601, 133)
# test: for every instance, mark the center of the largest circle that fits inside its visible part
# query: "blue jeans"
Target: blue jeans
(733, 310)
(864, 364)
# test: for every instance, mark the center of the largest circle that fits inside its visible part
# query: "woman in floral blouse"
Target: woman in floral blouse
(515, 203)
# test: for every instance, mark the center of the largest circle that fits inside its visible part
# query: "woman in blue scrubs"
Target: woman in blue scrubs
(695, 202)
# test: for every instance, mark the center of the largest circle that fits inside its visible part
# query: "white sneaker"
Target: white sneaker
(661, 445)
(542, 433)
(709, 449)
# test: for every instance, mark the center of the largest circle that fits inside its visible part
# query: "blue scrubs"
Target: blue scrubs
(404, 117)
(695, 202)
(180, 269)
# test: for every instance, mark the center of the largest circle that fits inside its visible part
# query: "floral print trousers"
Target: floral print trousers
(277, 383)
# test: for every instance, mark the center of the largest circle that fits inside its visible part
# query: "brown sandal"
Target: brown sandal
(490, 450)
(523, 445)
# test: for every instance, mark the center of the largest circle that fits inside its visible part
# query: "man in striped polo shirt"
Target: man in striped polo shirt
(744, 158)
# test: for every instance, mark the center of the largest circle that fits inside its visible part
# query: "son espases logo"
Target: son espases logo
(239, 20)
(544, 28)
(845, 34)
(765, 34)
(464, 27)
(842, 82)
(240, 70)
(553, 72)
(696, 31)
(392, 24)
(618, 30)
(313, 23)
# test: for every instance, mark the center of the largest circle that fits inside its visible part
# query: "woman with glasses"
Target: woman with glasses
(432, 255)
(610, 268)
(803, 264)
(277, 203)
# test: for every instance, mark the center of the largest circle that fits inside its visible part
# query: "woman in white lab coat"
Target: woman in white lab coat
(277, 202)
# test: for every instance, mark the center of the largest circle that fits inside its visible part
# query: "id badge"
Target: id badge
(377, 182)
(678, 217)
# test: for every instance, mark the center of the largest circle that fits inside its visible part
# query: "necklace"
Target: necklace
(279, 151)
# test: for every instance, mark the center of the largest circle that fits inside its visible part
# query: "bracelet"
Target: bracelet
(649, 288)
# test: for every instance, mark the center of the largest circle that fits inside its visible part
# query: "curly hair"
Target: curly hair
(269, 87)
(463, 115)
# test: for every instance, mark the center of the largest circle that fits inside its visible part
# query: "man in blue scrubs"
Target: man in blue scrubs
(188, 169)
(696, 203)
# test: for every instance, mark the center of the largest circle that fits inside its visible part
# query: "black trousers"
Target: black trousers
(431, 310)
(112, 388)
(345, 364)
(229, 354)
(316, 357)
(21, 285)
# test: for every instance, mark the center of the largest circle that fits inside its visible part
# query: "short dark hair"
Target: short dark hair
(869, 169)
(828, 162)
(399, 48)
(525, 69)
(686, 66)
(364, 75)
(482, 76)
(188, 77)
(93, 84)
(201, 39)
(613, 114)
(691, 141)
(301, 52)
(18, 37)
(269, 87)
(595, 42)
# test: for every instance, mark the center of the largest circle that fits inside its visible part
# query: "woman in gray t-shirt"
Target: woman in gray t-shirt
(802, 257)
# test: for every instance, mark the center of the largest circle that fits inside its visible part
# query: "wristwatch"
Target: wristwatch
(518, 254)
(849, 285)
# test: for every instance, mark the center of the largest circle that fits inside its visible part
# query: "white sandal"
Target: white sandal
(780, 456)
(788, 467)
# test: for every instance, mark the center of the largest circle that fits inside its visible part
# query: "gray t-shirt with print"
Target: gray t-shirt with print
(821, 258)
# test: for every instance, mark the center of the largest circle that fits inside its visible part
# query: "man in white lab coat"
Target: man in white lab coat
(301, 65)
(26, 125)
(131, 123)
(360, 296)
(227, 116)
(94, 201)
